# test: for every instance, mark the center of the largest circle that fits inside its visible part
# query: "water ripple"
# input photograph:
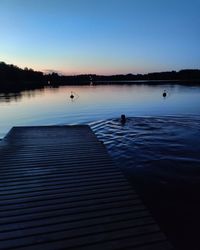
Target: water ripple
(162, 149)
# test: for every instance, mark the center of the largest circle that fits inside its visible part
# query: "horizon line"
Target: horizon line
(60, 73)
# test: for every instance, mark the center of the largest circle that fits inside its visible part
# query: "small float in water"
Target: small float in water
(73, 96)
(164, 93)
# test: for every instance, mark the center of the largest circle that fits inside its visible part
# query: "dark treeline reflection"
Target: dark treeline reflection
(13, 78)
(8, 97)
(17, 96)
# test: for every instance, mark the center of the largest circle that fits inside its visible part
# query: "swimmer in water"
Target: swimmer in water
(123, 119)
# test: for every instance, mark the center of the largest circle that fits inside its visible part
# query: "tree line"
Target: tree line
(13, 78)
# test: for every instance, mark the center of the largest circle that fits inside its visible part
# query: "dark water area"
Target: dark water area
(160, 157)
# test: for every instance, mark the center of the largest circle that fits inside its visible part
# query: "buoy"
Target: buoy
(72, 96)
(164, 94)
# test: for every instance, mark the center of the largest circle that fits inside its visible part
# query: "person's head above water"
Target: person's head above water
(123, 118)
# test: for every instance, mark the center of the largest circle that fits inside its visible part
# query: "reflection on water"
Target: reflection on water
(17, 96)
(54, 106)
(8, 97)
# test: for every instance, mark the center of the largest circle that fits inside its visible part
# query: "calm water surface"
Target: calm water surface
(158, 148)
(94, 103)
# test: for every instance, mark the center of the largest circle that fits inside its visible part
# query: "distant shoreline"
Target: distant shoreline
(15, 79)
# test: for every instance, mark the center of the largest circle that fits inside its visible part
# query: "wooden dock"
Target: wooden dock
(60, 189)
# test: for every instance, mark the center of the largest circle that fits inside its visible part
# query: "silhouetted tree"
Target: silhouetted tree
(13, 78)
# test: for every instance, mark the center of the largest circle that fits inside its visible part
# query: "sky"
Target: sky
(100, 36)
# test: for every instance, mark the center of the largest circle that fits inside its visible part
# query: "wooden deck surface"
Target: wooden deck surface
(59, 189)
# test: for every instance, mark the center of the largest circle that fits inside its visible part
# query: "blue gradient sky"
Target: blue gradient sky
(100, 36)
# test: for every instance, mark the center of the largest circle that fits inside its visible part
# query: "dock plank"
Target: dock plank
(60, 189)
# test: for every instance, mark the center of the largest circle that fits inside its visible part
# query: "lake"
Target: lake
(93, 103)
(157, 148)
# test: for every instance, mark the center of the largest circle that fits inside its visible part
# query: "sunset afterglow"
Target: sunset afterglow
(103, 37)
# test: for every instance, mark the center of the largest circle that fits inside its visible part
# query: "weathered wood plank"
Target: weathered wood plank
(59, 189)
(80, 221)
